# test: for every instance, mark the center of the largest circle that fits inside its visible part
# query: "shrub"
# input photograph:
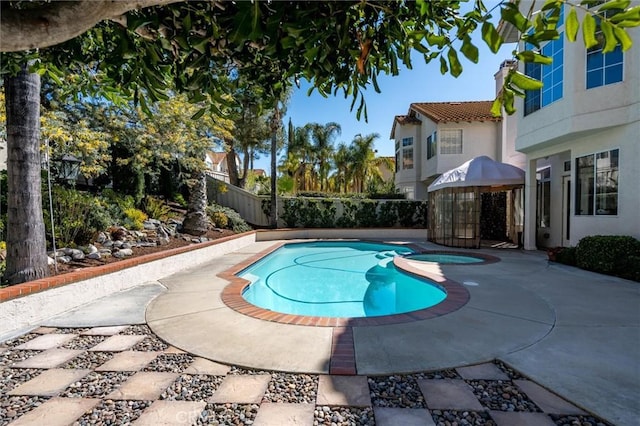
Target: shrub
(219, 219)
(366, 214)
(406, 213)
(77, 216)
(387, 215)
(157, 209)
(610, 254)
(134, 218)
(567, 256)
(234, 220)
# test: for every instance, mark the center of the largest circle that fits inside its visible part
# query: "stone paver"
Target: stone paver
(144, 386)
(242, 389)
(117, 343)
(204, 366)
(105, 331)
(44, 330)
(545, 400)
(402, 416)
(168, 413)
(277, 414)
(46, 341)
(48, 359)
(128, 361)
(343, 391)
(49, 382)
(174, 350)
(503, 418)
(449, 394)
(57, 412)
(486, 371)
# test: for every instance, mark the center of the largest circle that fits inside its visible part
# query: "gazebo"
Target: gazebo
(481, 199)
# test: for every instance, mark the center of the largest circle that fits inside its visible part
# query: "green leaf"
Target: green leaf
(469, 50)
(615, 4)
(198, 114)
(551, 4)
(524, 81)
(572, 24)
(311, 54)
(589, 31)
(496, 107)
(632, 14)
(610, 41)
(443, 66)
(512, 15)
(535, 57)
(491, 37)
(623, 38)
(454, 62)
(437, 40)
(507, 96)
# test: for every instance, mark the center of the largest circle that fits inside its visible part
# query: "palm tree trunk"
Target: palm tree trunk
(196, 221)
(26, 244)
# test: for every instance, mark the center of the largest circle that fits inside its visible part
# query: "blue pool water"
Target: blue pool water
(444, 258)
(337, 279)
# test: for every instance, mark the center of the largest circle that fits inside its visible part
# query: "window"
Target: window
(404, 154)
(543, 177)
(432, 147)
(597, 183)
(550, 75)
(603, 68)
(451, 141)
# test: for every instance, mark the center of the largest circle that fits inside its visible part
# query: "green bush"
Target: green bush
(134, 218)
(366, 215)
(567, 256)
(610, 254)
(234, 221)
(77, 216)
(157, 209)
(387, 216)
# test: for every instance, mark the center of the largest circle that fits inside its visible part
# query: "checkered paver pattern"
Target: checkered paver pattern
(46, 378)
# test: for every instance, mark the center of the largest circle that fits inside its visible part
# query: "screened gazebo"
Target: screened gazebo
(479, 200)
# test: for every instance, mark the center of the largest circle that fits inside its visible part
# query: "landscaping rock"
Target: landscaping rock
(77, 254)
(50, 261)
(92, 249)
(102, 238)
(95, 255)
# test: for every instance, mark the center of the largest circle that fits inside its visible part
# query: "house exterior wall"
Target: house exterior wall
(407, 180)
(478, 138)
(584, 121)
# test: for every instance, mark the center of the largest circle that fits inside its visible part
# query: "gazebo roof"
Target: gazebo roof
(479, 171)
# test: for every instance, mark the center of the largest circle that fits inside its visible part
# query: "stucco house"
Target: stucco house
(581, 137)
(434, 137)
(217, 165)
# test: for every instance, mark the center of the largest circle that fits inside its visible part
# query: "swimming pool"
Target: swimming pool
(337, 279)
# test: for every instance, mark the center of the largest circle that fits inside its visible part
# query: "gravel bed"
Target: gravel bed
(502, 395)
(235, 371)
(13, 356)
(440, 374)
(450, 417)
(15, 406)
(150, 344)
(110, 412)
(513, 374)
(83, 342)
(12, 377)
(343, 416)
(228, 414)
(578, 421)
(71, 330)
(170, 363)
(96, 385)
(292, 388)
(20, 339)
(88, 360)
(192, 388)
(396, 391)
(137, 329)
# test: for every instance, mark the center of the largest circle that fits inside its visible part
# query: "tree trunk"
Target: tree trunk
(26, 244)
(232, 167)
(196, 221)
(275, 124)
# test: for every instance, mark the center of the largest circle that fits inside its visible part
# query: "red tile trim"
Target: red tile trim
(343, 356)
(24, 289)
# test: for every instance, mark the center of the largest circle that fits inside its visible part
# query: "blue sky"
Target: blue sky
(423, 83)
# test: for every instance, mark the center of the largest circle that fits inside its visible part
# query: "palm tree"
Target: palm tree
(27, 255)
(342, 161)
(322, 136)
(363, 159)
(299, 155)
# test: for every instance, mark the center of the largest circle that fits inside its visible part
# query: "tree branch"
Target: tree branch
(59, 21)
